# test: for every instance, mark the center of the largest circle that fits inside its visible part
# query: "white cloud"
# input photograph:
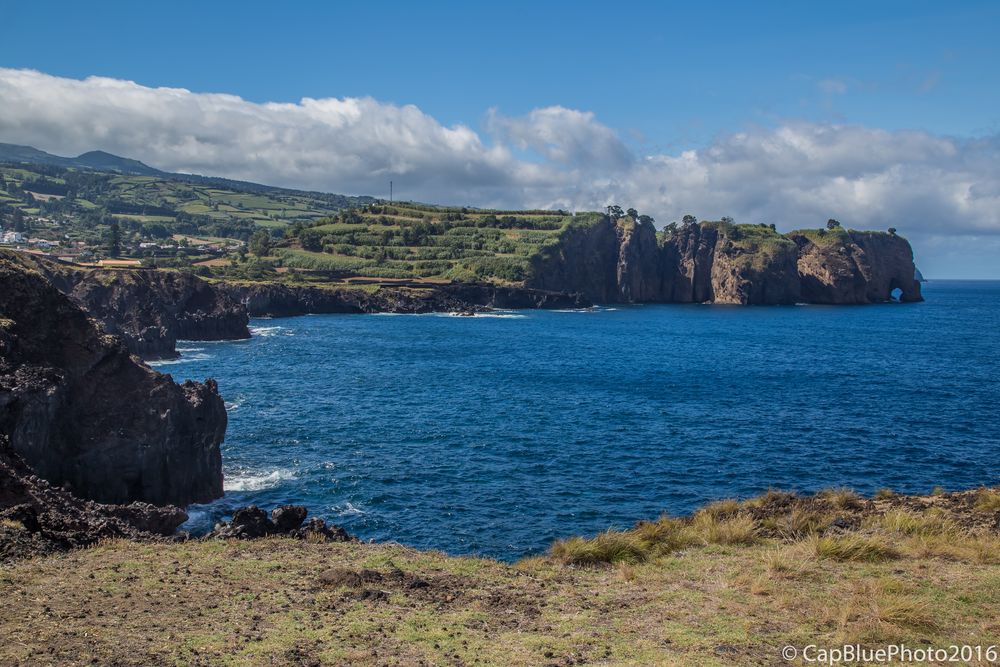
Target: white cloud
(796, 174)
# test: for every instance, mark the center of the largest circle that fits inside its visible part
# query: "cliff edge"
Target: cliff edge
(150, 309)
(627, 261)
(86, 415)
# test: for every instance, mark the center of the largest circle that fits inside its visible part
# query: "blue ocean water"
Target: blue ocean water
(496, 434)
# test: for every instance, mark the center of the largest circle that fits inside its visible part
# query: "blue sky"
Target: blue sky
(674, 75)
(661, 79)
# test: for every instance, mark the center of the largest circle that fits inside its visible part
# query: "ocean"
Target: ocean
(496, 434)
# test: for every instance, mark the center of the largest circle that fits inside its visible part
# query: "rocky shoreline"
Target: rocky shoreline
(97, 444)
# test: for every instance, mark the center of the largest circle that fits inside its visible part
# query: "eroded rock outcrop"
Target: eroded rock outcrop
(37, 518)
(151, 310)
(281, 300)
(85, 414)
(251, 522)
(625, 261)
(850, 267)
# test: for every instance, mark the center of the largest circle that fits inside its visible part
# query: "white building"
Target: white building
(12, 237)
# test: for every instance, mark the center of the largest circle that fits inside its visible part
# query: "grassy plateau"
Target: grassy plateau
(730, 585)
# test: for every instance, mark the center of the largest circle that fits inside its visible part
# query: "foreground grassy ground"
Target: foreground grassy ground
(729, 586)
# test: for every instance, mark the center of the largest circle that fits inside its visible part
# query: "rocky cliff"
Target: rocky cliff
(151, 310)
(281, 300)
(85, 414)
(848, 267)
(625, 261)
(37, 518)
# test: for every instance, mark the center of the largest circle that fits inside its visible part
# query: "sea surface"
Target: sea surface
(496, 434)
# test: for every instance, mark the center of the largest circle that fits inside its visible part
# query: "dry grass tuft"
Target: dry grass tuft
(721, 509)
(879, 611)
(665, 535)
(736, 530)
(981, 549)
(841, 498)
(907, 522)
(988, 500)
(800, 523)
(611, 546)
(885, 494)
(853, 547)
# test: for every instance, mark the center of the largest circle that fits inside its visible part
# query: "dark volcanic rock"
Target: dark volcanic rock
(40, 518)
(248, 523)
(151, 310)
(252, 523)
(288, 517)
(85, 414)
(280, 300)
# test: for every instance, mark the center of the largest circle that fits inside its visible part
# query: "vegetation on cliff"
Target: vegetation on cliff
(731, 585)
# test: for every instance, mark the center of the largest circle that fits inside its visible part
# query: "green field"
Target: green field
(80, 205)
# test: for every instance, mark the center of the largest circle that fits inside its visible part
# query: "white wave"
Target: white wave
(179, 360)
(256, 482)
(348, 509)
(182, 350)
(575, 310)
(502, 316)
(234, 404)
(267, 331)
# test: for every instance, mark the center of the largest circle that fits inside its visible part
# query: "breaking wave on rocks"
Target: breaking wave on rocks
(266, 332)
(256, 481)
(187, 356)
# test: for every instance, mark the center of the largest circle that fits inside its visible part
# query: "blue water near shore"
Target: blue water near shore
(495, 434)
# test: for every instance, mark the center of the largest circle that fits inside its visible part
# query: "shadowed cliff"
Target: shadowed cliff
(84, 413)
(151, 310)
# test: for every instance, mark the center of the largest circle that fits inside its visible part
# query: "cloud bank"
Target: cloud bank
(943, 190)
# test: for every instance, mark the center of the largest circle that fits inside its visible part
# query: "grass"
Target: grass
(717, 588)
(988, 500)
(856, 548)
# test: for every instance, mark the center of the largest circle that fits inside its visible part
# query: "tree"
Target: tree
(260, 243)
(646, 220)
(19, 224)
(832, 224)
(892, 231)
(632, 213)
(689, 220)
(114, 239)
(615, 212)
(727, 219)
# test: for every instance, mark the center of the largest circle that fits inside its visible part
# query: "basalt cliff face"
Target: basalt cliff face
(282, 300)
(85, 414)
(151, 310)
(848, 267)
(626, 261)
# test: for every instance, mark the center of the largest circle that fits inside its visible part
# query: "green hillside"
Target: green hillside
(202, 224)
(406, 240)
(76, 204)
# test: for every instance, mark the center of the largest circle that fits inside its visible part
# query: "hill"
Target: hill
(77, 199)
